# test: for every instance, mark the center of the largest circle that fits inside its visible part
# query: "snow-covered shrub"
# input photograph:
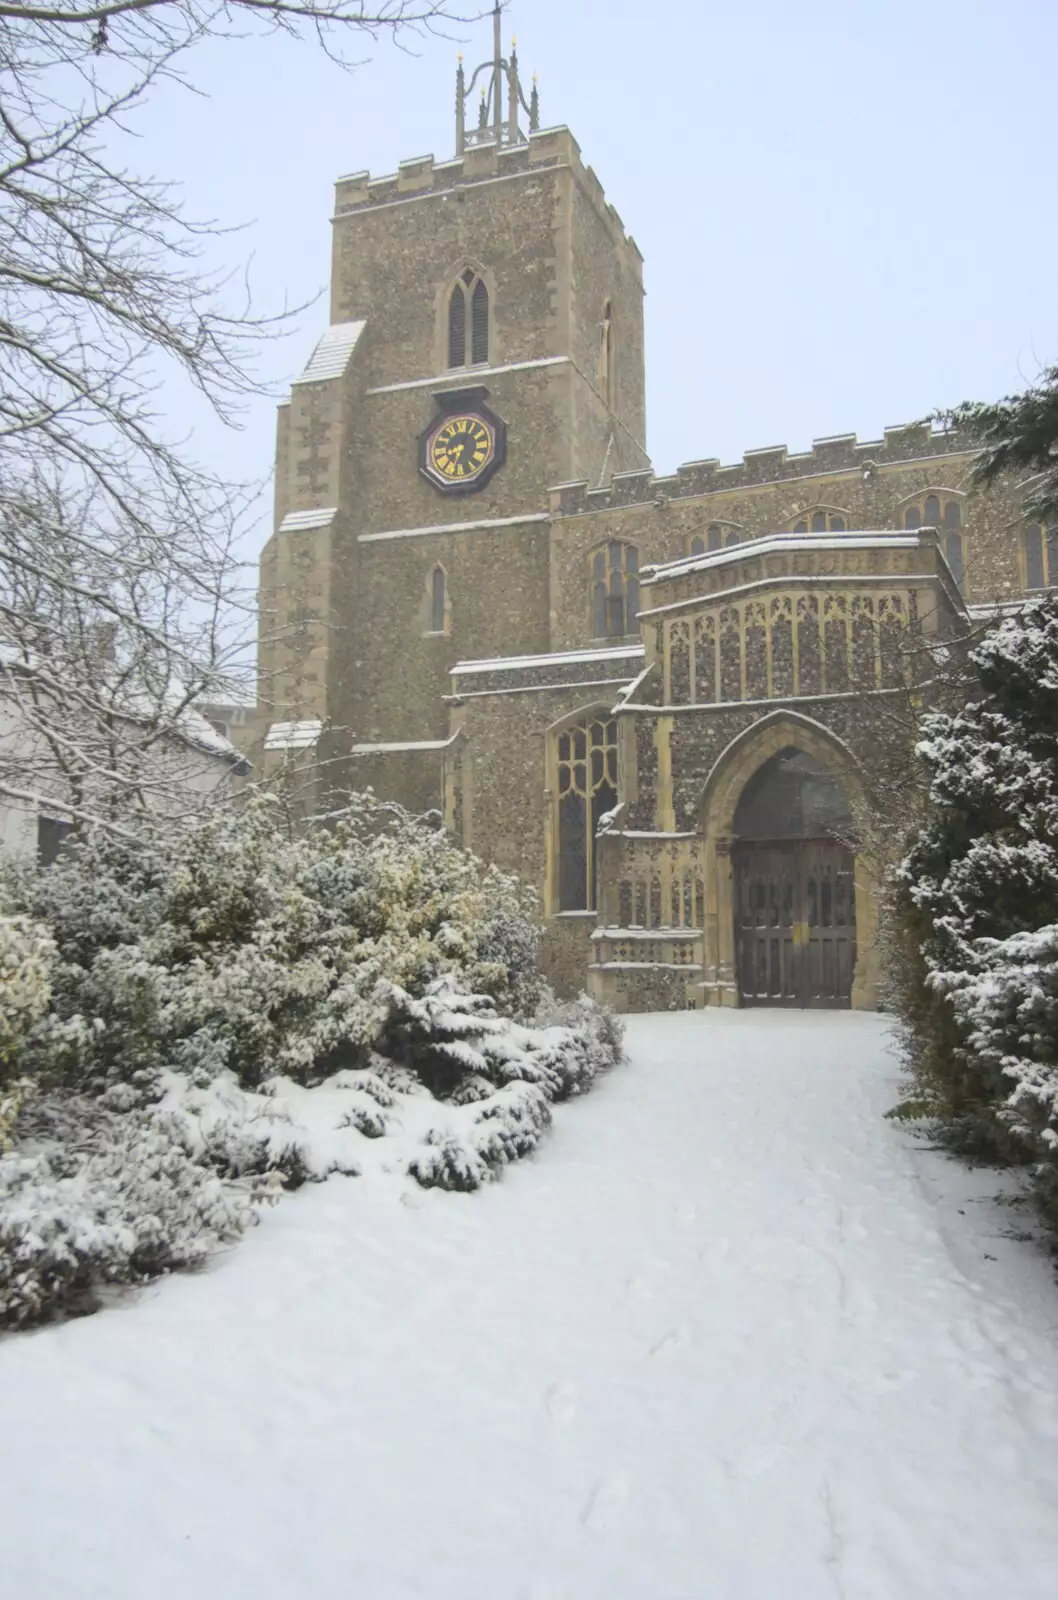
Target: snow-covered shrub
(107, 1198)
(26, 954)
(980, 904)
(237, 946)
(237, 1009)
(507, 1074)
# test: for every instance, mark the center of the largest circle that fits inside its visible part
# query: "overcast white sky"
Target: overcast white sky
(847, 207)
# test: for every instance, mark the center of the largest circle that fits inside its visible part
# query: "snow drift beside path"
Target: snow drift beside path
(726, 1337)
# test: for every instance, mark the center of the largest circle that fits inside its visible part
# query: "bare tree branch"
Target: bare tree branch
(122, 601)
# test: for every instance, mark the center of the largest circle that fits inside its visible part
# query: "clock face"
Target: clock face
(464, 445)
(461, 449)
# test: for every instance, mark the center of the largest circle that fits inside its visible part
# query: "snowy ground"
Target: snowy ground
(728, 1336)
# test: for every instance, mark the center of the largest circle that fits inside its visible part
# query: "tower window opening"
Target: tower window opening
(607, 361)
(468, 336)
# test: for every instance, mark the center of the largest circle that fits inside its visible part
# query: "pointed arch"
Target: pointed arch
(466, 302)
(741, 759)
(942, 509)
(582, 781)
(755, 745)
(614, 589)
(436, 610)
(717, 536)
(820, 519)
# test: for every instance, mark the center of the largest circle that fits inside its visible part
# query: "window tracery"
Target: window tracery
(821, 519)
(586, 761)
(614, 590)
(468, 320)
(717, 536)
(942, 511)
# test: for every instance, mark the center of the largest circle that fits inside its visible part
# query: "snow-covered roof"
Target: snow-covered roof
(986, 610)
(298, 521)
(293, 735)
(397, 746)
(142, 704)
(770, 543)
(331, 356)
(560, 658)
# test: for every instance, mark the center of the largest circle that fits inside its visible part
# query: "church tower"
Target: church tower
(485, 346)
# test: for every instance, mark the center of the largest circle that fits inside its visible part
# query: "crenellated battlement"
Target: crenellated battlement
(483, 162)
(774, 464)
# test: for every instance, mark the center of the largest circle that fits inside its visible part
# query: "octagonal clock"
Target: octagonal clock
(464, 444)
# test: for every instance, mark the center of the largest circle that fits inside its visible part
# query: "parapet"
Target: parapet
(773, 464)
(480, 162)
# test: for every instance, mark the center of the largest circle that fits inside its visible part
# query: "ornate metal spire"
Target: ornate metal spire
(498, 122)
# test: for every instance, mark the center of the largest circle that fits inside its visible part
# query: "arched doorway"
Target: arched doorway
(794, 886)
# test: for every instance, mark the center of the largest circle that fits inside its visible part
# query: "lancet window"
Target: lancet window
(468, 320)
(587, 790)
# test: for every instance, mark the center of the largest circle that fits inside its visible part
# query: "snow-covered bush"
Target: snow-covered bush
(237, 1009)
(108, 1198)
(238, 946)
(980, 898)
(26, 954)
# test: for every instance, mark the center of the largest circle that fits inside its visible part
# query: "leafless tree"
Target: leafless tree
(120, 595)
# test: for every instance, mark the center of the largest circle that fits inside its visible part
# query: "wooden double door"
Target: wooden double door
(795, 923)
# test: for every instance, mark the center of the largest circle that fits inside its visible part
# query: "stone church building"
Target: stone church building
(658, 699)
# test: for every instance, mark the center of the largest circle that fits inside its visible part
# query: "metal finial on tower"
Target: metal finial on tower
(461, 101)
(498, 123)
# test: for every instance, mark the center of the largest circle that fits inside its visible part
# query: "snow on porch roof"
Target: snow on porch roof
(770, 543)
(561, 658)
(331, 355)
(293, 735)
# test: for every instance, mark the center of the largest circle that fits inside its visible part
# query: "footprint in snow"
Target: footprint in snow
(672, 1341)
(604, 1505)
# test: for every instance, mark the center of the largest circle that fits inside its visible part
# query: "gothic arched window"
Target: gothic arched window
(821, 519)
(586, 761)
(614, 590)
(943, 512)
(468, 312)
(937, 510)
(717, 536)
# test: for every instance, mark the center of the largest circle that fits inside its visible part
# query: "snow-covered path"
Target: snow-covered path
(727, 1337)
